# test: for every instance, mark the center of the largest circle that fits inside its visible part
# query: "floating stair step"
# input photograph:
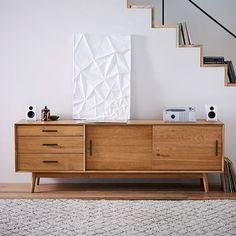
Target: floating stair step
(214, 65)
(141, 6)
(164, 26)
(191, 46)
(231, 84)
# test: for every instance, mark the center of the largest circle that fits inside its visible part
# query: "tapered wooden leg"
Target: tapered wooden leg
(34, 176)
(38, 180)
(205, 182)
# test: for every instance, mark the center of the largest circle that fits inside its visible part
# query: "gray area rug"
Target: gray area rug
(104, 217)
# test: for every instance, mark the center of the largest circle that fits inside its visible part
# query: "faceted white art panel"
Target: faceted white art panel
(102, 68)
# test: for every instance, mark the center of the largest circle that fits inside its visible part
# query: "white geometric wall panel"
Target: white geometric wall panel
(102, 66)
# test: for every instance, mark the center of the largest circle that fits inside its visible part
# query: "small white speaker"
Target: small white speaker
(211, 112)
(30, 112)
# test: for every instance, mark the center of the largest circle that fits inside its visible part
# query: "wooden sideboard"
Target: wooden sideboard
(136, 149)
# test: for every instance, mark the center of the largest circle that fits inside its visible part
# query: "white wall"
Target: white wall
(36, 39)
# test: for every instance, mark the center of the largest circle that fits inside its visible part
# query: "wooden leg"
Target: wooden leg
(34, 176)
(205, 182)
(38, 180)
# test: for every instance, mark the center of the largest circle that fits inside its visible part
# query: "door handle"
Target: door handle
(217, 145)
(90, 147)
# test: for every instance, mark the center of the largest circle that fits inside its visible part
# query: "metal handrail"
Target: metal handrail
(213, 19)
(163, 12)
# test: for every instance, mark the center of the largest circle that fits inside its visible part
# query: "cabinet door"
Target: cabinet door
(118, 147)
(187, 148)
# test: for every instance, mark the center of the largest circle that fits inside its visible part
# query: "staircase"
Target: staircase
(154, 25)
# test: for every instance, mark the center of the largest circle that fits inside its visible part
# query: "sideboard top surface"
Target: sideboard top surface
(129, 122)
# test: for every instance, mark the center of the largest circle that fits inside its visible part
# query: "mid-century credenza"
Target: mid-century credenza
(136, 149)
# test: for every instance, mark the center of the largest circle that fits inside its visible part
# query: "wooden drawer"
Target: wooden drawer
(50, 162)
(49, 130)
(50, 145)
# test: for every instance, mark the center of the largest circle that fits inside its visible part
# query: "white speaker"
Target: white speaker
(211, 112)
(30, 112)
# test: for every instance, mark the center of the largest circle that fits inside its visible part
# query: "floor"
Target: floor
(113, 192)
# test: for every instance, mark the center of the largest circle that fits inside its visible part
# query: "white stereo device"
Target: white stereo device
(179, 114)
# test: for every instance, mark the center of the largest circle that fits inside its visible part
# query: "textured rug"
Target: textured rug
(103, 217)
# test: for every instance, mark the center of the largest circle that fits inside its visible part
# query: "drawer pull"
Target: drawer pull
(50, 144)
(50, 130)
(50, 161)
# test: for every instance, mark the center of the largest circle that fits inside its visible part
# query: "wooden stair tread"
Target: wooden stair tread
(141, 6)
(231, 84)
(191, 46)
(214, 65)
(164, 26)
